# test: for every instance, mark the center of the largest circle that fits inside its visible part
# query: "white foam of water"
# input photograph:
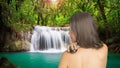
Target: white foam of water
(53, 40)
(50, 51)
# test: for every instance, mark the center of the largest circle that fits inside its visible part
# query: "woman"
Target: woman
(92, 53)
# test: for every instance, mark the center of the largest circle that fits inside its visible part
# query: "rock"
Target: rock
(14, 40)
(19, 46)
(5, 63)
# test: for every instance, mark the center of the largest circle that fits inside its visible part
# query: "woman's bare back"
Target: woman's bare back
(85, 58)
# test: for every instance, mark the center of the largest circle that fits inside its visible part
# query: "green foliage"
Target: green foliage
(27, 12)
(21, 14)
(18, 14)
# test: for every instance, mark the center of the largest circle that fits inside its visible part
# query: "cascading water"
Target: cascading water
(48, 39)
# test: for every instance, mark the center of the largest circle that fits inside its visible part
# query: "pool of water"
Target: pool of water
(48, 60)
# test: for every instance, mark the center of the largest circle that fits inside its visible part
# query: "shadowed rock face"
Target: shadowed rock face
(14, 40)
(5, 63)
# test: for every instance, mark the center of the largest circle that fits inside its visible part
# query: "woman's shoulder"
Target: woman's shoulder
(65, 54)
(104, 48)
(64, 60)
(103, 51)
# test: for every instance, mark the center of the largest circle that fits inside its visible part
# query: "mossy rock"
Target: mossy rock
(19, 46)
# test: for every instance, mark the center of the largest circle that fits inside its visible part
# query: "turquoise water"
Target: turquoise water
(48, 60)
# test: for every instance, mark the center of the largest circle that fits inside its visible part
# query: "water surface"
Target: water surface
(48, 60)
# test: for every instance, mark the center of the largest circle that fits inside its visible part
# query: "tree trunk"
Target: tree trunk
(39, 17)
(54, 20)
(38, 20)
(101, 7)
(102, 10)
(46, 19)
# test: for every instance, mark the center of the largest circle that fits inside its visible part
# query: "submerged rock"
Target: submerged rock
(5, 63)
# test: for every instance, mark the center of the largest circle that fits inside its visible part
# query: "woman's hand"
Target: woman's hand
(72, 48)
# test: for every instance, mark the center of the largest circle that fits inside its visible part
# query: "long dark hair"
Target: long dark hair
(84, 28)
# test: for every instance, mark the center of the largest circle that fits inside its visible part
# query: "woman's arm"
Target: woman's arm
(63, 61)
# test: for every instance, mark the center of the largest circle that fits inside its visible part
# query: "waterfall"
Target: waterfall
(49, 39)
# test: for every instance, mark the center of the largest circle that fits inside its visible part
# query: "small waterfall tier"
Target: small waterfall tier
(49, 39)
